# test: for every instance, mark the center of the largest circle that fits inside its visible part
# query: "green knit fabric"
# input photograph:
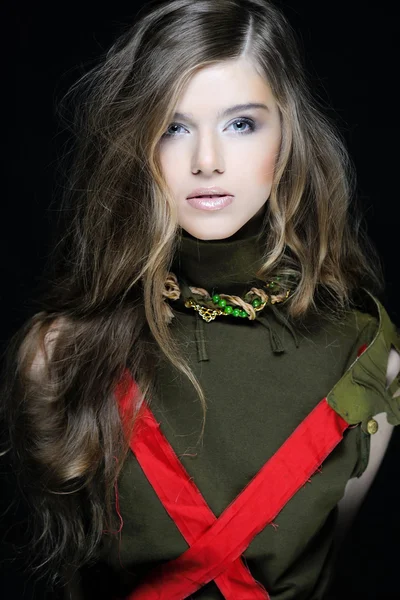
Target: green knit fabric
(261, 379)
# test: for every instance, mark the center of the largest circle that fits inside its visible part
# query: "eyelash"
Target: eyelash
(249, 122)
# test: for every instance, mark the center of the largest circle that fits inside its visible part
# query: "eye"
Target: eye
(246, 126)
(173, 125)
(243, 121)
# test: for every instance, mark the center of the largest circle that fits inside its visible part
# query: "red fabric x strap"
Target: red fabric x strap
(216, 544)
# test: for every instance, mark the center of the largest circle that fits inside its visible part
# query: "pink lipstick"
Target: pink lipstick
(210, 202)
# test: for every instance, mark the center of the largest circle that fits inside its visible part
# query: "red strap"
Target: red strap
(184, 503)
(180, 497)
(216, 545)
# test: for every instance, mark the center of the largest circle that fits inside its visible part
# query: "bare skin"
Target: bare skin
(236, 152)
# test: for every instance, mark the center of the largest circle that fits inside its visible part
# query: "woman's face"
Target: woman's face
(211, 144)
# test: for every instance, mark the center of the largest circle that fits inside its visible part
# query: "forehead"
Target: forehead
(215, 87)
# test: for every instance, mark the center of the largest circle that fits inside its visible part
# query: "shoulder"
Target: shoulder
(370, 380)
(368, 395)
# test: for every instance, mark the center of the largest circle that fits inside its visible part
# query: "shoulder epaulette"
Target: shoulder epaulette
(362, 391)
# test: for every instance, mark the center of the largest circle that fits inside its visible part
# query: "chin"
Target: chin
(220, 229)
(207, 235)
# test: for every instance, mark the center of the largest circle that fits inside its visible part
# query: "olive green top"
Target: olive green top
(261, 379)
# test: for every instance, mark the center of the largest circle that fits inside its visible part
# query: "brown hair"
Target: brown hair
(105, 288)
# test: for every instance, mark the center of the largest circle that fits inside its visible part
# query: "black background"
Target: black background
(351, 57)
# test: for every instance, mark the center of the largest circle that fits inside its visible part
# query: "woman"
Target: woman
(200, 384)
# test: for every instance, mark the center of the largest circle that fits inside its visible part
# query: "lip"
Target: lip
(210, 203)
(210, 191)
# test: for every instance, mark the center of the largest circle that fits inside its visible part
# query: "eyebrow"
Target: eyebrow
(226, 112)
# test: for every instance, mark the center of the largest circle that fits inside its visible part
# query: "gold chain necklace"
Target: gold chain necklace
(226, 305)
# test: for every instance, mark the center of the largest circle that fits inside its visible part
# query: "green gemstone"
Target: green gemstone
(215, 298)
(256, 302)
(243, 313)
(222, 302)
(228, 310)
(236, 312)
(272, 284)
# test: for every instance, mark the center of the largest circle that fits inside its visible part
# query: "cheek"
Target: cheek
(265, 169)
(170, 163)
(267, 155)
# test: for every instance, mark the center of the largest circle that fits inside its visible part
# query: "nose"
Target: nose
(207, 154)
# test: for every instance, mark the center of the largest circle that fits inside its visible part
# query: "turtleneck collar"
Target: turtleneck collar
(227, 266)
(222, 266)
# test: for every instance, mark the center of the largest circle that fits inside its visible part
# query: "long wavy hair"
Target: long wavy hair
(102, 308)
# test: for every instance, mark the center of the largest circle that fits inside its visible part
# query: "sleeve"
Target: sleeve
(363, 441)
(369, 375)
(363, 391)
(363, 438)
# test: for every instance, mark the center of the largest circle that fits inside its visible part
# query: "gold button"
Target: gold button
(372, 426)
